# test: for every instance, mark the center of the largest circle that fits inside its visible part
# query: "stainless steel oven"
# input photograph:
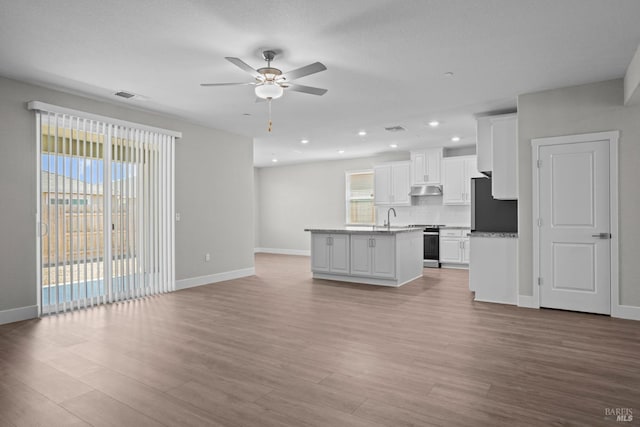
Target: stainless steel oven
(431, 246)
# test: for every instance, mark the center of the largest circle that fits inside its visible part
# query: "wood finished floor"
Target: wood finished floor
(279, 349)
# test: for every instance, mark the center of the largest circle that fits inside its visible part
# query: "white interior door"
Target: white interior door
(575, 226)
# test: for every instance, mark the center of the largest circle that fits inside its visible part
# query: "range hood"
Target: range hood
(426, 190)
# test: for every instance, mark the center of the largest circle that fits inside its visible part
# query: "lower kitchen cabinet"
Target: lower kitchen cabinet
(493, 269)
(454, 246)
(388, 258)
(373, 255)
(330, 253)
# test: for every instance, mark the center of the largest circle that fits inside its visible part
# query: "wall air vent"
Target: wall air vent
(395, 129)
(125, 95)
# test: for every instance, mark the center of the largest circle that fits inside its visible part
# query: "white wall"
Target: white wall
(582, 109)
(294, 197)
(214, 191)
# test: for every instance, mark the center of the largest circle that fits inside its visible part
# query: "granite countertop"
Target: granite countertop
(493, 234)
(456, 227)
(378, 229)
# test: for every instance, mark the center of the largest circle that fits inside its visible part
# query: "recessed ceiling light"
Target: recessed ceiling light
(449, 74)
(246, 114)
(304, 141)
(274, 160)
(341, 151)
(393, 145)
(362, 133)
(455, 139)
(434, 123)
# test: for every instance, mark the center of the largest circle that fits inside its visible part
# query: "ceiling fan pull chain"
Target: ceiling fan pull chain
(270, 123)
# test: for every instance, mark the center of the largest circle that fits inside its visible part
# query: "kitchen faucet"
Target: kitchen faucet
(388, 223)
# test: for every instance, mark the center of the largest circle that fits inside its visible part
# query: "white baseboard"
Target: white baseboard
(213, 278)
(625, 312)
(363, 280)
(491, 301)
(620, 311)
(298, 252)
(528, 301)
(18, 314)
(454, 266)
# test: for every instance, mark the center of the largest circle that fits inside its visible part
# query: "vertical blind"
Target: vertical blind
(105, 211)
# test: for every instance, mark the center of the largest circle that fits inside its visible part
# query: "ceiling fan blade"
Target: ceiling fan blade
(243, 66)
(226, 84)
(316, 67)
(305, 89)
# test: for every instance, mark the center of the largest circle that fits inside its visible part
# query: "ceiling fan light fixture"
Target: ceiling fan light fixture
(269, 90)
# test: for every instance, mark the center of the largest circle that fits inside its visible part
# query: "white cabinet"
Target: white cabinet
(401, 184)
(450, 250)
(382, 184)
(496, 148)
(373, 256)
(383, 263)
(425, 166)
(360, 255)
(385, 258)
(493, 269)
(466, 249)
(504, 143)
(483, 144)
(456, 179)
(454, 246)
(330, 253)
(392, 184)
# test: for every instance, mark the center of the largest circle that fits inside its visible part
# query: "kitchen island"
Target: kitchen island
(371, 255)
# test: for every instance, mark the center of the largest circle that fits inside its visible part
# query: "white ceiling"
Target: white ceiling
(386, 61)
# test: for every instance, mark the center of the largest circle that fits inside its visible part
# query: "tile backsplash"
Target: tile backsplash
(427, 210)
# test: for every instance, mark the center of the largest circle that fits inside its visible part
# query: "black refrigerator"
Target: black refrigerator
(489, 214)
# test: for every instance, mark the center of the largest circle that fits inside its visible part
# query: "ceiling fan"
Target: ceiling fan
(270, 82)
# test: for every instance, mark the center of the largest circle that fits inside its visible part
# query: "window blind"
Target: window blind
(105, 211)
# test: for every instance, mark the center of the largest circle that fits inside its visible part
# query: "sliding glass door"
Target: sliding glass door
(105, 212)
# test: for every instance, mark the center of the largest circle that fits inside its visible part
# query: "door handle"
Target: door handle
(602, 235)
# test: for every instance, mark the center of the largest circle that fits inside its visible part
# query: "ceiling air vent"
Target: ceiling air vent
(395, 129)
(125, 95)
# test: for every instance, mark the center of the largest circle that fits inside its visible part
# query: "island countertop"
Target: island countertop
(376, 229)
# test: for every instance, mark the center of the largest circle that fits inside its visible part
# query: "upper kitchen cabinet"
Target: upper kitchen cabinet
(497, 153)
(483, 144)
(504, 143)
(456, 179)
(425, 166)
(392, 184)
